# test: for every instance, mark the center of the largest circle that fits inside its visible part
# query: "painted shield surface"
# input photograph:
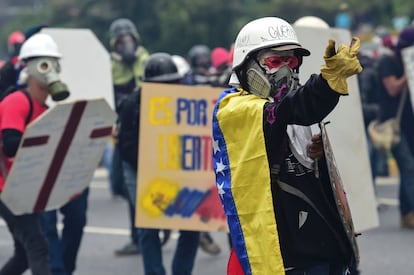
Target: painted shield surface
(58, 155)
(339, 192)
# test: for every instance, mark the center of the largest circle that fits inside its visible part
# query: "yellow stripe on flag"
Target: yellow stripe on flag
(241, 121)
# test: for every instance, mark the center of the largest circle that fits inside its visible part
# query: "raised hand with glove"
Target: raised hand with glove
(341, 64)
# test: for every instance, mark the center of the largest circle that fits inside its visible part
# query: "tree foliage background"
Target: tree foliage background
(176, 25)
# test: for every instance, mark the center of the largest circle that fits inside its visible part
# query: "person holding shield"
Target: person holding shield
(275, 187)
(40, 57)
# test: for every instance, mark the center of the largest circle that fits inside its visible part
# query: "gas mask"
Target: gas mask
(45, 70)
(272, 75)
(126, 47)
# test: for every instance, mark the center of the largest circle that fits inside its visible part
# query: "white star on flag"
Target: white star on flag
(220, 189)
(220, 167)
(216, 147)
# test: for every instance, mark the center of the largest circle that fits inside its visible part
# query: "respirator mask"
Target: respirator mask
(126, 47)
(45, 70)
(272, 73)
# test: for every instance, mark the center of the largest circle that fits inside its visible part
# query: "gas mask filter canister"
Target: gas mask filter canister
(266, 85)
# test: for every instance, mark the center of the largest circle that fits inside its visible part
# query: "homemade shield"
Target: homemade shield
(86, 65)
(346, 131)
(339, 193)
(58, 155)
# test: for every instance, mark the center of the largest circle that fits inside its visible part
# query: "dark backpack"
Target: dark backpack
(8, 77)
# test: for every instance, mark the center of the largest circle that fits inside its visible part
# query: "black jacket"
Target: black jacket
(314, 241)
(128, 137)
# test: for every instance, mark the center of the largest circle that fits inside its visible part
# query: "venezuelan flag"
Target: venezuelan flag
(243, 181)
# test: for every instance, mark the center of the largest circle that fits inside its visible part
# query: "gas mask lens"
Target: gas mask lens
(44, 66)
(46, 72)
(272, 61)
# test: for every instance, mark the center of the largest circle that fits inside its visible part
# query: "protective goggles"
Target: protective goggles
(273, 63)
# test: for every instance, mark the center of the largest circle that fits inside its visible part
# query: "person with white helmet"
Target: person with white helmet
(311, 22)
(271, 173)
(40, 57)
(182, 64)
(63, 248)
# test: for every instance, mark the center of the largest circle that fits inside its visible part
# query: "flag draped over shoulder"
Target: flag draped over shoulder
(243, 181)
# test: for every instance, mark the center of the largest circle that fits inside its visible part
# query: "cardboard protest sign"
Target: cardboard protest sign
(346, 130)
(86, 65)
(58, 155)
(176, 181)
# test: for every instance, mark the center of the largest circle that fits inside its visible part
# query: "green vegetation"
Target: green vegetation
(175, 25)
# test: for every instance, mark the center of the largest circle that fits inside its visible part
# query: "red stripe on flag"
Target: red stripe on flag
(60, 154)
(35, 141)
(101, 132)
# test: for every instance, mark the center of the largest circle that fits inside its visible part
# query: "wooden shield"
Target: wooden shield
(339, 192)
(58, 155)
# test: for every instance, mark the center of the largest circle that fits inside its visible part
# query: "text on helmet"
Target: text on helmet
(278, 32)
(282, 32)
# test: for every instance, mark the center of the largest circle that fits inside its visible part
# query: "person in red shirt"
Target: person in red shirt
(40, 58)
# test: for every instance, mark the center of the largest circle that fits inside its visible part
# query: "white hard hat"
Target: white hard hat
(311, 21)
(182, 64)
(266, 32)
(40, 44)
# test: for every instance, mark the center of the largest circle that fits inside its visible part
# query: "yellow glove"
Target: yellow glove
(341, 64)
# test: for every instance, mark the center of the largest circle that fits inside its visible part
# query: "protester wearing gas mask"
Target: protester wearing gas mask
(42, 66)
(40, 56)
(44, 70)
(281, 214)
(128, 58)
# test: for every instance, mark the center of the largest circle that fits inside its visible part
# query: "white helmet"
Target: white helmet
(267, 32)
(40, 44)
(182, 64)
(311, 21)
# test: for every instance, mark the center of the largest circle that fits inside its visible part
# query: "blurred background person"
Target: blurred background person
(160, 68)
(199, 58)
(369, 94)
(128, 59)
(183, 68)
(220, 59)
(343, 18)
(9, 70)
(392, 85)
